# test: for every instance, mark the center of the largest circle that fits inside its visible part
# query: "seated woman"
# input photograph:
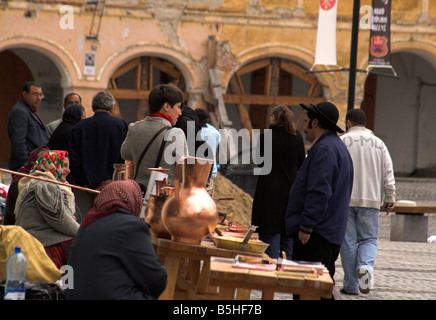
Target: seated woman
(45, 209)
(112, 255)
(11, 199)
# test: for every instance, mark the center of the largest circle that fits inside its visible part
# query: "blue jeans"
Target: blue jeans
(360, 245)
(277, 244)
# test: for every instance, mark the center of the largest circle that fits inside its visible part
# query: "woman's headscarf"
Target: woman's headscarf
(51, 161)
(34, 155)
(117, 194)
(73, 113)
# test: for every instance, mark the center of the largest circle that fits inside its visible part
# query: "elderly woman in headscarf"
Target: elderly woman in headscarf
(112, 255)
(45, 209)
(13, 187)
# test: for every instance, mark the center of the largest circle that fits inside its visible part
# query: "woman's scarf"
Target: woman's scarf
(161, 115)
(72, 114)
(29, 164)
(117, 194)
(51, 161)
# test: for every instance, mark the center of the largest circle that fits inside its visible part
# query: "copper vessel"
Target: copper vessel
(153, 214)
(130, 169)
(190, 214)
(119, 172)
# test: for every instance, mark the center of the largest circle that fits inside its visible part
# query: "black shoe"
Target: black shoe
(343, 291)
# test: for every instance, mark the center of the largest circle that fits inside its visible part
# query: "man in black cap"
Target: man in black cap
(317, 210)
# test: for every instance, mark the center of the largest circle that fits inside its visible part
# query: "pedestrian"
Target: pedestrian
(373, 186)
(153, 142)
(25, 129)
(60, 136)
(317, 210)
(272, 190)
(94, 147)
(70, 98)
(47, 210)
(213, 138)
(112, 255)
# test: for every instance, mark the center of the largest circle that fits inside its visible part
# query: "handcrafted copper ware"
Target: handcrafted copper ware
(190, 214)
(154, 216)
(119, 172)
(130, 169)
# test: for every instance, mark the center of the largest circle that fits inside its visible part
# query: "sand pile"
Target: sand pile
(238, 210)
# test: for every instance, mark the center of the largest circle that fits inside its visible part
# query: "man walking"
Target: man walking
(317, 210)
(374, 184)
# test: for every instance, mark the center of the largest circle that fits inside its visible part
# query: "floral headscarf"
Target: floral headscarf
(51, 161)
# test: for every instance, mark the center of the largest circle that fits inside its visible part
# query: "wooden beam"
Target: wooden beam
(243, 114)
(211, 52)
(257, 99)
(168, 68)
(126, 68)
(254, 66)
(298, 72)
(134, 94)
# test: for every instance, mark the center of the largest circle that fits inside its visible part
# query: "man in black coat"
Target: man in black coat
(25, 130)
(94, 147)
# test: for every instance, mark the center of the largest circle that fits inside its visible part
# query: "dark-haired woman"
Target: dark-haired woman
(272, 190)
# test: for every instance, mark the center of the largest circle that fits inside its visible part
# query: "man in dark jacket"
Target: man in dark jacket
(317, 209)
(94, 147)
(25, 130)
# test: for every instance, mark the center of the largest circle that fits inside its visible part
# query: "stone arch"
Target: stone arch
(64, 61)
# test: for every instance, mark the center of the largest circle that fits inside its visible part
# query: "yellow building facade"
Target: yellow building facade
(235, 57)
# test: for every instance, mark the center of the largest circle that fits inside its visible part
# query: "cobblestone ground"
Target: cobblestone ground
(403, 270)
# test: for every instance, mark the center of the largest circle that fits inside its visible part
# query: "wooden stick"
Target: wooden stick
(48, 180)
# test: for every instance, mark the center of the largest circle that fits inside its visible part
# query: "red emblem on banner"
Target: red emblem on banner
(327, 4)
(379, 46)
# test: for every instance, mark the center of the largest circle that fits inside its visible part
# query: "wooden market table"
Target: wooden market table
(230, 279)
(188, 268)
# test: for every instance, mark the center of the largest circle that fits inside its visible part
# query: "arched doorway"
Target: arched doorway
(257, 87)
(21, 64)
(401, 112)
(132, 82)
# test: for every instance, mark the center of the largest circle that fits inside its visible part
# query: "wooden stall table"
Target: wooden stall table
(188, 268)
(230, 279)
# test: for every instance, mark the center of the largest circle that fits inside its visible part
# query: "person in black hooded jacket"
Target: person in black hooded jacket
(59, 139)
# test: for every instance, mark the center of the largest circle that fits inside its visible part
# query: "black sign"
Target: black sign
(380, 34)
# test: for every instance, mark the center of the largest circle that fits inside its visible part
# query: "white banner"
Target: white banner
(325, 53)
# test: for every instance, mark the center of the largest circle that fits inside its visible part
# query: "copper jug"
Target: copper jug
(190, 214)
(119, 172)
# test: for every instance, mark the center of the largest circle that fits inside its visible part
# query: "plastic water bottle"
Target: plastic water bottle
(16, 268)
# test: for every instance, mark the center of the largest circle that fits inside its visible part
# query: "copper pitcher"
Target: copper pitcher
(190, 214)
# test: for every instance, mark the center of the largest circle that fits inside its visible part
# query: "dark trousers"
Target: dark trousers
(317, 249)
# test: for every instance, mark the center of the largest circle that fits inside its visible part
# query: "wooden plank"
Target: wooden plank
(417, 209)
(168, 68)
(130, 94)
(257, 99)
(298, 72)
(243, 113)
(254, 66)
(126, 68)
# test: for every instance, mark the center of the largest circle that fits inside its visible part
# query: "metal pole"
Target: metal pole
(353, 54)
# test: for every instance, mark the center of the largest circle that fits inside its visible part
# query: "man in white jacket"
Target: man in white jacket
(374, 185)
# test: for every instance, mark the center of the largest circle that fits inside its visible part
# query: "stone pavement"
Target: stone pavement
(402, 270)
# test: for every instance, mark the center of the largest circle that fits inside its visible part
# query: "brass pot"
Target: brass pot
(190, 214)
(154, 216)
